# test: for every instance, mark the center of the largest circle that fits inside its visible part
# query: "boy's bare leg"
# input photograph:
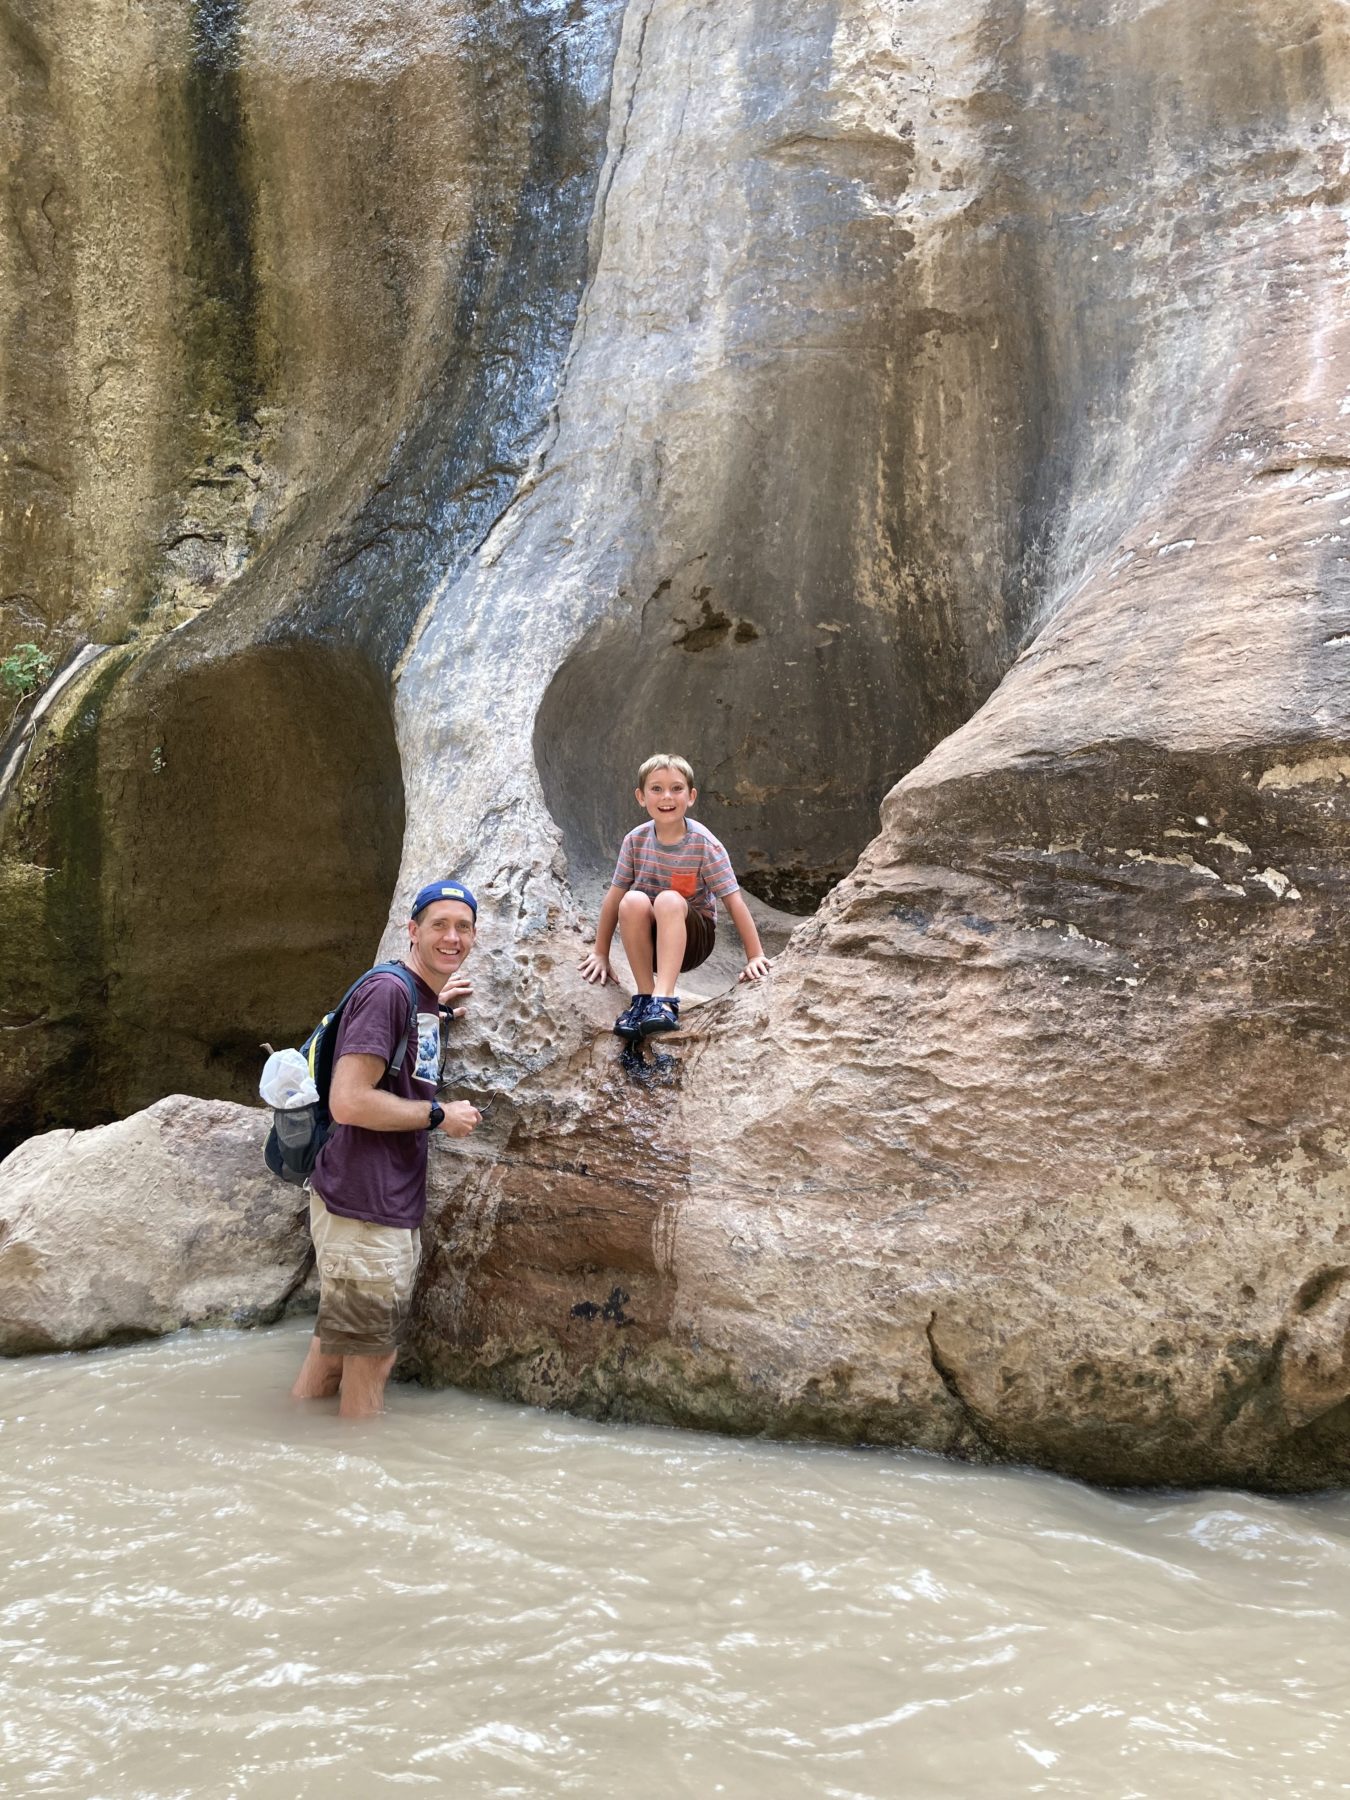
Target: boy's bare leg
(672, 934)
(635, 932)
(363, 1379)
(319, 1375)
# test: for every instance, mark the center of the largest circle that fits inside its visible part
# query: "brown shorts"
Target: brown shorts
(366, 1276)
(700, 936)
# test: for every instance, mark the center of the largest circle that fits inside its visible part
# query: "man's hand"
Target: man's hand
(460, 1119)
(596, 968)
(755, 970)
(454, 995)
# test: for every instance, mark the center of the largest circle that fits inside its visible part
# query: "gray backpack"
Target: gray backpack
(298, 1133)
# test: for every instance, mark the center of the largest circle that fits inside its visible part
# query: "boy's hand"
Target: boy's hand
(596, 968)
(454, 995)
(755, 970)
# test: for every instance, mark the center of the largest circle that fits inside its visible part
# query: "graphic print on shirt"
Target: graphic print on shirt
(428, 1048)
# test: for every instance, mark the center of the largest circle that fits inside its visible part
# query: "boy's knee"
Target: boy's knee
(634, 903)
(668, 901)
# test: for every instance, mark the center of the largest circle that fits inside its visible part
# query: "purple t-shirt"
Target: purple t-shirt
(381, 1176)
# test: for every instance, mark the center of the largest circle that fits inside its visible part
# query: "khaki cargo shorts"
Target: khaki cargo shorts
(366, 1276)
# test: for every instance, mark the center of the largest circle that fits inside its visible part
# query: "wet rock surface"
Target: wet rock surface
(925, 413)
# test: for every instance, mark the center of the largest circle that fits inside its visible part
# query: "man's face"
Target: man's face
(442, 938)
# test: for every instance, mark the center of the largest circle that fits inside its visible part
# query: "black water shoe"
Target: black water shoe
(662, 1014)
(629, 1022)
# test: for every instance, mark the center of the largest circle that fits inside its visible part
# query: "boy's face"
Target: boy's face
(667, 796)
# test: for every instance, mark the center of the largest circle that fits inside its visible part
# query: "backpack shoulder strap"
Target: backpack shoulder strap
(397, 968)
(324, 1036)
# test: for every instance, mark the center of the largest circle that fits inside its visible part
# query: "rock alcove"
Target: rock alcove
(257, 816)
(802, 708)
(253, 817)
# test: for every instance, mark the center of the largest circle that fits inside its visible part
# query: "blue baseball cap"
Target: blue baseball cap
(443, 890)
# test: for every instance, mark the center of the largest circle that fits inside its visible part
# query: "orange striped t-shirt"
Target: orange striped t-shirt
(697, 867)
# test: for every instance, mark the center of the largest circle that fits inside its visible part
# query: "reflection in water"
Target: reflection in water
(211, 1592)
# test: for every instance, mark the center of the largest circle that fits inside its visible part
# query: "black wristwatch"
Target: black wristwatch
(437, 1114)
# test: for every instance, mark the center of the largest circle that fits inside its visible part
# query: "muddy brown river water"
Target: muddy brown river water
(208, 1591)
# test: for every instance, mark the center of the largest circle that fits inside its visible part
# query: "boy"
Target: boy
(671, 873)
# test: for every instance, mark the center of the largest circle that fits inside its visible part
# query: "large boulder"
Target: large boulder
(129, 1230)
(1035, 1147)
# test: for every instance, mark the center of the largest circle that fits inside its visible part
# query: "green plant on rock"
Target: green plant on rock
(24, 671)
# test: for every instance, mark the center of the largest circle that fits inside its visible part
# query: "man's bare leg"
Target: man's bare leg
(672, 935)
(319, 1375)
(635, 931)
(363, 1379)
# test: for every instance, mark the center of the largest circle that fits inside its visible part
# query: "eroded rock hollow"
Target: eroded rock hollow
(932, 419)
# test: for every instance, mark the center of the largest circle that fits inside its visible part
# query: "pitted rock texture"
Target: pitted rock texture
(131, 1230)
(932, 413)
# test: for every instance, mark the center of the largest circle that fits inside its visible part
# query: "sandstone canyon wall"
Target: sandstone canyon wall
(285, 293)
(932, 418)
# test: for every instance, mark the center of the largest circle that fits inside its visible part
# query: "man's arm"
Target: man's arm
(356, 1098)
(595, 964)
(756, 963)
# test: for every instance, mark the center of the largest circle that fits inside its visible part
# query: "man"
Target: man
(368, 1191)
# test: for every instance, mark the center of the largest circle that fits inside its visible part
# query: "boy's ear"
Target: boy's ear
(637, 795)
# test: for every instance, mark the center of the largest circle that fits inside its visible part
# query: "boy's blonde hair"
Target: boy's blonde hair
(653, 763)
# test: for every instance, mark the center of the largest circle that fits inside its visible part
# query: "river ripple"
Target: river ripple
(211, 1592)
